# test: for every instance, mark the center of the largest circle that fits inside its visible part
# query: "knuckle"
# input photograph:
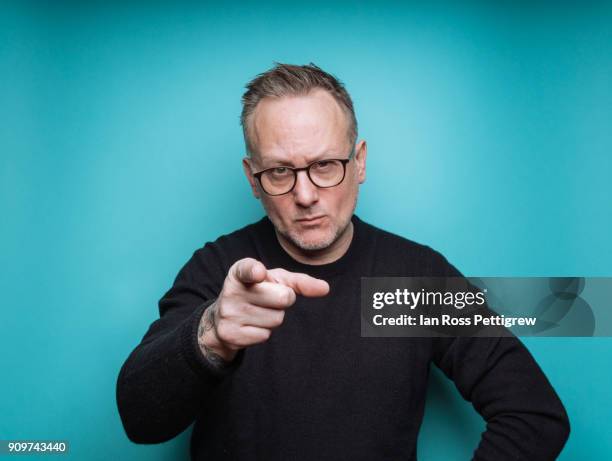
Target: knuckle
(246, 310)
(265, 334)
(233, 311)
(276, 274)
(224, 331)
(278, 318)
(222, 311)
(287, 297)
(241, 341)
(231, 293)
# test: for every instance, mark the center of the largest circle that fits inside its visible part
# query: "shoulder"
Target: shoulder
(202, 276)
(230, 247)
(406, 255)
(215, 257)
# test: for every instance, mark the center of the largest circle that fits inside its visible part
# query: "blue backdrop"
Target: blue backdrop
(489, 140)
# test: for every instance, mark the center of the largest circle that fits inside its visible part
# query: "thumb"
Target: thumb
(249, 270)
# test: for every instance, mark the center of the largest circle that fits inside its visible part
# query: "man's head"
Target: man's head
(293, 116)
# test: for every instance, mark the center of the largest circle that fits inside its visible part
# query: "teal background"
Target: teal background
(489, 140)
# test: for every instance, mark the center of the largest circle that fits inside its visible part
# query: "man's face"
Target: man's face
(295, 131)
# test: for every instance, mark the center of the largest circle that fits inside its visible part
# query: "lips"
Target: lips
(312, 219)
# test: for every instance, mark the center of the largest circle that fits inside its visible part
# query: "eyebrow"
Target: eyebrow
(282, 162)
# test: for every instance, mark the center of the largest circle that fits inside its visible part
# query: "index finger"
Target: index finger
(302, 284)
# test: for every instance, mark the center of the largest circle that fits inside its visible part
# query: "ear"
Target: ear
(361, 152)
(248, 171)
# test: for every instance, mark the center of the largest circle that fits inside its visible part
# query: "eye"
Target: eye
(323, 165)
(280, 171)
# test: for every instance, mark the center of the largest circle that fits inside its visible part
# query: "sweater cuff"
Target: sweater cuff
(192, 352)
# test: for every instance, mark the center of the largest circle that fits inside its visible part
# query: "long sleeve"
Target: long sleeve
(163, 383)
(525, 419)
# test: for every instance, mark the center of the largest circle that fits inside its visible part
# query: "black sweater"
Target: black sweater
(317, 390)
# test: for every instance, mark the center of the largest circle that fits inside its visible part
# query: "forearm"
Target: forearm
(165, 380)
(524, 436)
(525, 418)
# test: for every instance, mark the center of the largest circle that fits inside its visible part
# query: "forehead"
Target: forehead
(299, 127)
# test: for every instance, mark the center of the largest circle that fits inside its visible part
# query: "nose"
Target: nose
(305, 192)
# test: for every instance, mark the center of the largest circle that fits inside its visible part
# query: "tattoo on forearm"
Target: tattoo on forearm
(206, 324)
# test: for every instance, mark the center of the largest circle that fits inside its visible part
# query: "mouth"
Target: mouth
(311, 220)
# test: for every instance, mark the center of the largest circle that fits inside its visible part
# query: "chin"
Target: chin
(311, 244)
(313, 240)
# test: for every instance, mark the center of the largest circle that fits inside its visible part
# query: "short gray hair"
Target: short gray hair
(293, 80)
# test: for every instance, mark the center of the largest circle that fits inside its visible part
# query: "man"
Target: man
(259, 340)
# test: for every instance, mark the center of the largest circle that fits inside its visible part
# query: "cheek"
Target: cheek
(352, 178)
(279, 207)
(341, 201)
(350, 187)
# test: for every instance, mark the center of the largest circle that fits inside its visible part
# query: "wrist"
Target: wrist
(213, 349)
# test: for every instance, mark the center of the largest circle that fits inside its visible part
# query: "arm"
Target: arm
(524, 416)
(163, 382)
(525, 419)
(197, 341)
(166, 378)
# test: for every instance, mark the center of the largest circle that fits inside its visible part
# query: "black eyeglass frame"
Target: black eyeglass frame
(306, 168)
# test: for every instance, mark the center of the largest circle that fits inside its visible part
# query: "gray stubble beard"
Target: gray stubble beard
(317, 246)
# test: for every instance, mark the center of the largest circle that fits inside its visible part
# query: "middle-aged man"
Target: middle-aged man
(259, 341)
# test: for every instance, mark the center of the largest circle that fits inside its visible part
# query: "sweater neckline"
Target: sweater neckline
(287, 262)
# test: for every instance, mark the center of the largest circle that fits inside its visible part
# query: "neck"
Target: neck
(318, 257)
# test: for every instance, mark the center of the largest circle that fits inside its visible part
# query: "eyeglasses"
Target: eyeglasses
(325, 173)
